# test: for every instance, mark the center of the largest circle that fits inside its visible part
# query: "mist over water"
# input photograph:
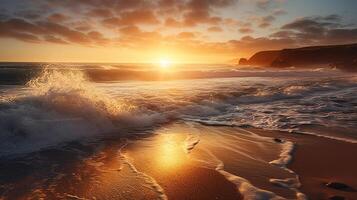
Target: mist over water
(61, 104)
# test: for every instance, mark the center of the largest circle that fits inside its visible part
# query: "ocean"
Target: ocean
(55, 106)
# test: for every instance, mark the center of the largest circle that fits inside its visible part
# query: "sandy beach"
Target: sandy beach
(192, 161)
(318, 161)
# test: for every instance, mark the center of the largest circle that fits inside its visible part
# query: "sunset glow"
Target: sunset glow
(194, 31)
(178, 99)
(165, 63)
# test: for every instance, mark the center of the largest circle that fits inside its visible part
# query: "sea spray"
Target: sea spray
(72, 89)
(62, 106)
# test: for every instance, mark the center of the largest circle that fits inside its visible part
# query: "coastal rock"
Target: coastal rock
(280, 63)
(342, 57)
(337, 198)
(263, 58)
(243, 61)
(347, 65)
(338, 186)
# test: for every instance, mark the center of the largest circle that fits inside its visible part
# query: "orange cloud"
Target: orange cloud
(181, 26)
(57, 18)
(215, 29)
(132, 18)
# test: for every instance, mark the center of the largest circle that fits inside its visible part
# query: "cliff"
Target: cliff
(339, 56)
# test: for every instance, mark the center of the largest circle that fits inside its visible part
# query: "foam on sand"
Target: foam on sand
(349, 140)
(148, 179)
(190, 142)
(248, 191)
(284, 159)
(285, 155)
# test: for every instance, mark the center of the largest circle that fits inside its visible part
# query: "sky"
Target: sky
(182, 31)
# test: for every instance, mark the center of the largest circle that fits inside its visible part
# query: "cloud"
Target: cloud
(132, 18)
(53, 39)
(263, 4)
(341, 35)
(25, 37)
(245, 30)
(81, 26)
(65, 32)
(267, 4)
(100, 12)
(171, 22)
(199, 11)
(215, 29)
(21, 26)
(251, 44)
(193, 18)
(317, 30)
(45, 31)
(184, 24)
(118, 5)
(266, 21)
(57, 18)
(133, 36)
(29, 14)
(279, 11)
(310, 24)
(186, 35)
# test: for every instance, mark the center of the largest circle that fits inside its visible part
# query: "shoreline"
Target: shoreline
(193, 161)
(320, 160)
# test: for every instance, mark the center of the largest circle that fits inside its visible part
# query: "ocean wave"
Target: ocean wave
(20, 73)
(61, 105)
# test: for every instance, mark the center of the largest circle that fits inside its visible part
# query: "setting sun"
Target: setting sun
(165, 63)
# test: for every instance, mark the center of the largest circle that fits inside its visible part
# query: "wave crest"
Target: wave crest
(70, 90)
(61, 106)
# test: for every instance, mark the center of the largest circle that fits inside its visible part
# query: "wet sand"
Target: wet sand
(318, 161)
(202, 171)
(184, 161)
(164, 158)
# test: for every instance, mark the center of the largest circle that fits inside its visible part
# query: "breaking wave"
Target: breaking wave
(61, 105)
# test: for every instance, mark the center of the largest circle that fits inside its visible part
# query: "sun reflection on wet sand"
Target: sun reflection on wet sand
(165, 157)
(170, 154)
(187, 155)
(176, 162)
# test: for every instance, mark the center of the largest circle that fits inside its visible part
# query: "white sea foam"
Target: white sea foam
(284, 159)
(343, 139)
(295, 89)
(285, 155)
(191, 141)
(249, 191)
(62, 106)
(292, 184)
(148, 179)
(74, 197)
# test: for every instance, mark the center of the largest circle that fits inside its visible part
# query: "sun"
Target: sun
(165, 63)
